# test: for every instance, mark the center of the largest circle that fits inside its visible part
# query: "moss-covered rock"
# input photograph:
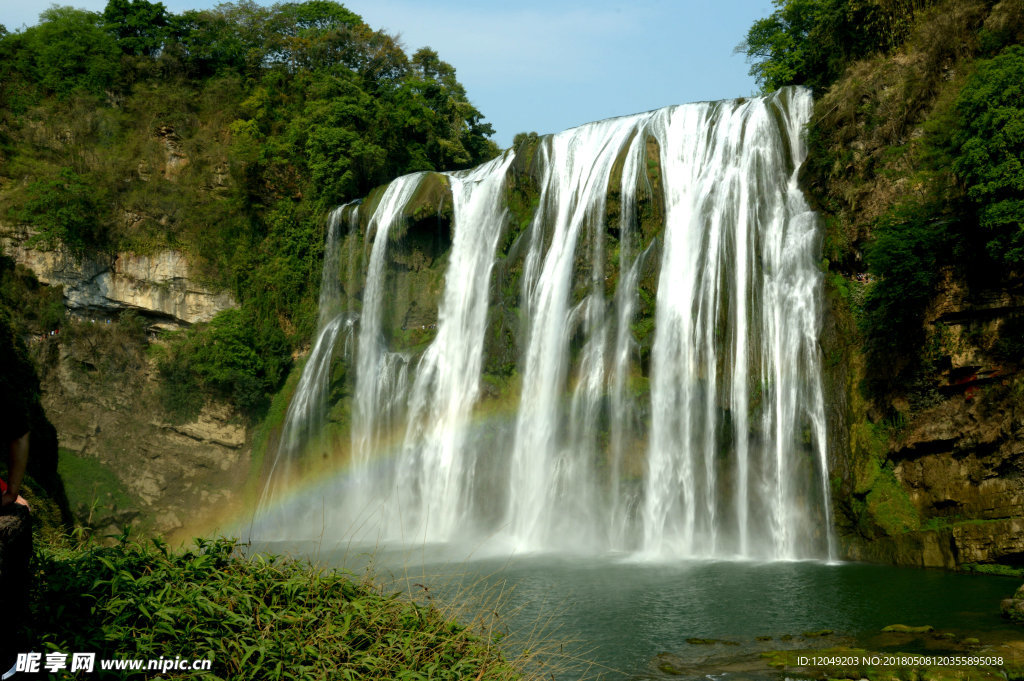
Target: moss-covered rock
(908, 629)
(1013, 608)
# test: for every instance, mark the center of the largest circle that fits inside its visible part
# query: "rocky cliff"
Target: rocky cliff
(161, 286)
(927, 414)
(933, 474)
(123, 460)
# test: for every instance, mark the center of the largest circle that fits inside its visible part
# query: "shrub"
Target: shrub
(989, 141)
(811, 42)
(911, 242)
(68, 50)
(232, 357)
(63, 209)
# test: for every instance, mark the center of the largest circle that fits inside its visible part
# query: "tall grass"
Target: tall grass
(259, 617)
(478, 594)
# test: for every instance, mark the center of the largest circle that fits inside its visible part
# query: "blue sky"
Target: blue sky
(547, 66)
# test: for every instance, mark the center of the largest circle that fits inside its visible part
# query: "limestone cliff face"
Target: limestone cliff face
(160, 285)
(103, 401)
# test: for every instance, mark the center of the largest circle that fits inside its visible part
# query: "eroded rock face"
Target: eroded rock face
(160, 285)
(176, 476)
(957, 456)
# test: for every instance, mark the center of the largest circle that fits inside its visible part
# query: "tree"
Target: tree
(63, 209)
(989, 141)
(140, 27)
(67, 50)
(811, 42)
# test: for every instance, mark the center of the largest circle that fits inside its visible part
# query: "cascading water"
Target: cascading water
(382, 373)
(739, 327)
(553, 483)
(667, 399)
(304, 418)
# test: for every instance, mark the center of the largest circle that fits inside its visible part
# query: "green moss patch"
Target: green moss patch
(90, 484)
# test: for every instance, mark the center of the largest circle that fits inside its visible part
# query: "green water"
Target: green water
(615, 614)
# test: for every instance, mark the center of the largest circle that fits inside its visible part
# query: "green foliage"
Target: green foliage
(341, 160)
(974, 227)
(811, 42)
(112, 353)
(989, 140)
(140, 27)
(255, 617)
(234, 357)
(68, 50)
(228, 134)
(90, 484)
(889, 506)
(524, 138)
(993, 569)
(1010, 345)
(35, 308)
(910, 244)
(64, 210)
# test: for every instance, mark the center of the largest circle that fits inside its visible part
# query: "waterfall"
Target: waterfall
(552, 482)
(304, 418)
(739, 272)
(382, 374)
(663, 299)
(434, 476)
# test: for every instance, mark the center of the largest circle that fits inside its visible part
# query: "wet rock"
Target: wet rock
(907, 629)
(710, 642)
(1013, 608)
(818, 634)
(667, 663)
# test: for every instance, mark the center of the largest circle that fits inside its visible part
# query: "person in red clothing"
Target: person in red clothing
(19, 396)
(17, 462)
(15, 552)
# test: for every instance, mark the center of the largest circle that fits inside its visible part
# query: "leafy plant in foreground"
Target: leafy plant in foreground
(258, 617)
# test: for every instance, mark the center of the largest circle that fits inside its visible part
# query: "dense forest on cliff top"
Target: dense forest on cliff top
(225, 133)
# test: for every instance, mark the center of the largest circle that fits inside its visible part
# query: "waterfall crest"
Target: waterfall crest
(660, 297)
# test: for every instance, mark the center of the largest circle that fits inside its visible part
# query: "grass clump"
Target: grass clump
(256, 617)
